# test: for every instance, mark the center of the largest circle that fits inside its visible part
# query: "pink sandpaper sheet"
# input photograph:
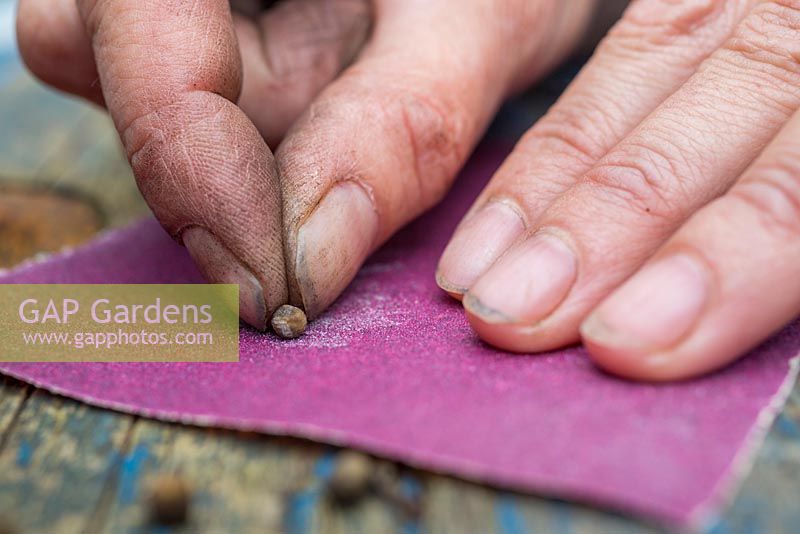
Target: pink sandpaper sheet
(394, 368)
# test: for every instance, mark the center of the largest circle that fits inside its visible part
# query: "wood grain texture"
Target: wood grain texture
(12, 399)
(257, 475)
(57, 456)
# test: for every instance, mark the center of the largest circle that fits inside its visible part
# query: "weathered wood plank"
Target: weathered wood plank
(238, 480)
(13, 395)
(548, 515)
(57, 458)
(454, 506)
(241, 483)
(61, 456)
(767, 500)
(376, 511)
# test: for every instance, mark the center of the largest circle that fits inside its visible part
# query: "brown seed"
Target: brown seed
(169, 500)
(289, 322)
(351, 478)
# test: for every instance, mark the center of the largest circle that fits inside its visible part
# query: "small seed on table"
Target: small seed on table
(169, 500)
(351, 478)
(289, 322)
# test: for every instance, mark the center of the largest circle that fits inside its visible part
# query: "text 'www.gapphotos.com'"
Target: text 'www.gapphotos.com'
(80, 340)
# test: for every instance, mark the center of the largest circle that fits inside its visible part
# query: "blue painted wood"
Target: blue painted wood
(55, 462)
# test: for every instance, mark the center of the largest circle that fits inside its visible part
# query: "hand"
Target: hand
(370, 145)
(654, 212)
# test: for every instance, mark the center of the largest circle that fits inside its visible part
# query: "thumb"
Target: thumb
(384, 142)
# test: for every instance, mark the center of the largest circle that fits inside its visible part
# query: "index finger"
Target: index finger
(171, 74)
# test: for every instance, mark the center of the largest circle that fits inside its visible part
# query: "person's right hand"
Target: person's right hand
(381, 143)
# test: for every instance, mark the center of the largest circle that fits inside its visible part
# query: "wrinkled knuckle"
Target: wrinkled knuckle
(770, 38)
(151, 138)
(660, 22)
(774, 194)
(434, 125)
(566, 132)
(435, 129)
(636, 186)
(143, 138)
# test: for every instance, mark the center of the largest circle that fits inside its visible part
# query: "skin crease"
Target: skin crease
(662, 191)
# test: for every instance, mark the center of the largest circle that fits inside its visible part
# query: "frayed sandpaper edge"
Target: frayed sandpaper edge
(704, 514)
(707, 513)
(431, 462)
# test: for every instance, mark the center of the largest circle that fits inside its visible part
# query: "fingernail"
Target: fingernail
(527, 283)
(477, 245)
(653, 310)
(333, 243)
(218, 265)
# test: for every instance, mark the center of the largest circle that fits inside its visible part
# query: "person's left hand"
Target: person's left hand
(606, 209)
